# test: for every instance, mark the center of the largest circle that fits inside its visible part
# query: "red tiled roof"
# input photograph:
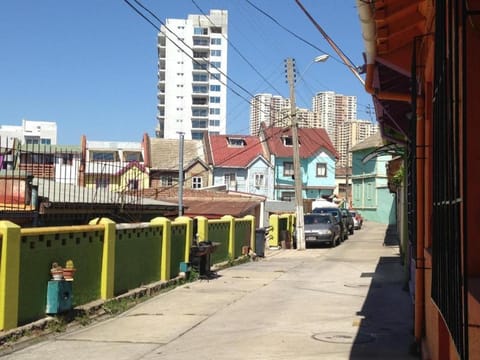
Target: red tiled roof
(311, 140)
(225, 155)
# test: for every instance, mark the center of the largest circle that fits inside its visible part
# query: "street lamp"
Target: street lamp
(317, 59)
(299, 229)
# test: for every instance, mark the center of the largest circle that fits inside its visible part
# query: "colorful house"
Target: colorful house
(317, 161)
(240, 162)
(370, 192)
(421, 59)
(113, 166)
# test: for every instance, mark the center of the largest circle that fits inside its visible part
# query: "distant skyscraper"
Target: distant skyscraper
(333, 110)
(273, 110)
(349, 134)
(192, 68)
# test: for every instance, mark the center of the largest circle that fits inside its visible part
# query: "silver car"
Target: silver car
(321, 228)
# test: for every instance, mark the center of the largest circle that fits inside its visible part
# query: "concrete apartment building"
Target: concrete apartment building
(333, 110)
(350, 133)
(31, 132)
(273, 110)
(192, 68)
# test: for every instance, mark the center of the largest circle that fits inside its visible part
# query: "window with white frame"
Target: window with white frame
(167, 180)
(197, 182)
(321, 169)
(287, 196)
(132, 184)
(288, 168)
(259, 180)
(230, 180)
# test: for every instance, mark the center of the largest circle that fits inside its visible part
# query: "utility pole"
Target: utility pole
(347, 171)
(180, 174)
(300, 231)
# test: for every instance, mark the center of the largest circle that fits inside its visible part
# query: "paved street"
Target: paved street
(321, 303)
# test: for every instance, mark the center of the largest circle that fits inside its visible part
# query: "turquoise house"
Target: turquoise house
(370, 193)
(317, 161)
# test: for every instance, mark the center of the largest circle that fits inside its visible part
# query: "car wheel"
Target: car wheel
(351, 231)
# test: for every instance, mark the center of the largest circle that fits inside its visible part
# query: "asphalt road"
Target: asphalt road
(346, 302)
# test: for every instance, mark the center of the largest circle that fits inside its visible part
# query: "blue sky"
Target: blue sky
(91, 65)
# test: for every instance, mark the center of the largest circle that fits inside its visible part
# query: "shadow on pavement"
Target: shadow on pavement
(386, 327)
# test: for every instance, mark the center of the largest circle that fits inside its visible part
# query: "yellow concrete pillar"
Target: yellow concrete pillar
(251, 219)
(202, 228)
(231, 235)
(166, 246)
(188, 234)
(107, 281)
(275, 232)
(9, 274)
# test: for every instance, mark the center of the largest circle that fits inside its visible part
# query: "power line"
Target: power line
(186, 45)
(238, 51)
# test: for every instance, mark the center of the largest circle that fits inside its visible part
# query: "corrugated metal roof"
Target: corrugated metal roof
(372, 141)
(58, 192)
(224, 154)
(312, 141)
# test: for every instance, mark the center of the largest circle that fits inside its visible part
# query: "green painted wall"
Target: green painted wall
(38, 252)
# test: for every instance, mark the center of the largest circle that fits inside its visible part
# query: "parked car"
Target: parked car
(348, 220)
(337, 214)
(322, 228)
(357, 219)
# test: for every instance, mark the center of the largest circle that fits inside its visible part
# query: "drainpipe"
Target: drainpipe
(420, 256)
(369, 38)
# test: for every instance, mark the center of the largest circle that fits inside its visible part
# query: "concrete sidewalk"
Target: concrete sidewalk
(322, 303)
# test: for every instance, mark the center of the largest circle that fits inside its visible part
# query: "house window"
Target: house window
(65, 159)
(288, 196)
(104, 156)
(321, 169)
(215, 64)
(214, 111)
(288, 141)
(215, 41)
(215, 99)
(288, 168)
(215, 52)
(236, 142)
(133, 156)
(167, 180)
(214, 87)
(132, 184)
(230, 180)
(197, 182)
(259, 180)
(214, 123)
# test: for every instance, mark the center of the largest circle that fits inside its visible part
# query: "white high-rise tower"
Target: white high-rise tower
(192, 68)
